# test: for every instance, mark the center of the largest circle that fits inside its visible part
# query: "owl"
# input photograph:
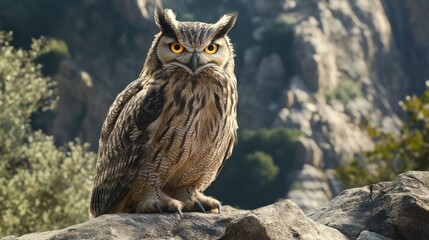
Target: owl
(168, 133)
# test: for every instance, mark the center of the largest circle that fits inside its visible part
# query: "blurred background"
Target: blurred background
(332, 94)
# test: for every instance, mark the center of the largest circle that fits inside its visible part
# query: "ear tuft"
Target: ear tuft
(165, 19)
(225, 24)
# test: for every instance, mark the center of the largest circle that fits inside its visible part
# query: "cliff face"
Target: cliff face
(320, 66)
(314, 65)
(389, 210)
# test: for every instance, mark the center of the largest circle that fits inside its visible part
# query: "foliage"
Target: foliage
(264, 169)
(42, 187)
(393, 153)
(258, 170)
(346, 91)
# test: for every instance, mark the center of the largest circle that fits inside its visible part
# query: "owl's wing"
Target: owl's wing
(231, 143)
(122, 145)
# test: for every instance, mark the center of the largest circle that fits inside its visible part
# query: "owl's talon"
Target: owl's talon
(200, 207)
(219, 207)
(178, 211)
(158, 208)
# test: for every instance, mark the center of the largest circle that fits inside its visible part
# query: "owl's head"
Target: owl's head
(193, 46)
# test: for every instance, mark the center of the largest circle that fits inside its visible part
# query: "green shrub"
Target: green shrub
(346, 91)
(259, 169)
(42, 187)
(393, 153)
(264, 169)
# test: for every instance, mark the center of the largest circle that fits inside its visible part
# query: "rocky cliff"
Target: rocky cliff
(388, 210)
(320, 66)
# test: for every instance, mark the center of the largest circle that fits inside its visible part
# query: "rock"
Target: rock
(316, 57)
(397, 209)
(388, 210)
(366, 235)
(338, 46)
(295, 118)
(335, 184)
(77, 109)
(310, 189)
(263, 94)
(337, 136)
(334, 132)
(282, 220)
(307, 152)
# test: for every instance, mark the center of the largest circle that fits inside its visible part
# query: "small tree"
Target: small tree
(393, 153)
(42, 187)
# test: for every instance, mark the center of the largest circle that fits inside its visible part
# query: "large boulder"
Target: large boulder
(388, 210)
(397, 209)
(282, 220)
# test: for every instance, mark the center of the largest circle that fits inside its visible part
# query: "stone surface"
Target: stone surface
(310, 189)
(282, 220)
(339, 42)
(307, 152)
(366, 235)
(333, 131)
(397, 209)
(316, 57)
(388, 210)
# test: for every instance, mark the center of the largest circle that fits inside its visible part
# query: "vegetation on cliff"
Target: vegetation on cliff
(394, 153)
(258, 172)
(42, 186)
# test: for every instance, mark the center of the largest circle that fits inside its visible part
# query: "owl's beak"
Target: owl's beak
(193, 63)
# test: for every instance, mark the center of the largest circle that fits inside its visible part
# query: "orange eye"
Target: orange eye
(212, 48)
(176, 47)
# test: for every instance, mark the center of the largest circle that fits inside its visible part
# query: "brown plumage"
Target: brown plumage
(168, 134)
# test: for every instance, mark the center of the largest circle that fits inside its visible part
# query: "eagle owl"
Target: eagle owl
(168, 133)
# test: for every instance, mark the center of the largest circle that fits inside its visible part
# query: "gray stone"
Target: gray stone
(337, 136)
(366, 235)
(333, 131)
(267, 76)
(282, 220)
(397, 209)
(386, 210)
(337, 40)
(316, 57)
(307, 152)
(310, 189)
